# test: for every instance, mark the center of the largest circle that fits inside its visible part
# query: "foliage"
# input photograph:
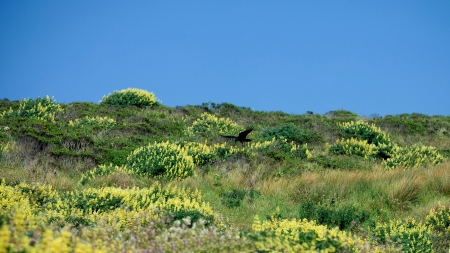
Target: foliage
(412, 236)
(207, 124)
(290, 133)
(413, 156)
(101, 170)
(439, 219)
(40, 108)
(371, 134)
(130, 97)
(162, 159)
(353, 147)
(201, 153)
(343, 218)
(233, 198)
(283, 235)
(100, 122)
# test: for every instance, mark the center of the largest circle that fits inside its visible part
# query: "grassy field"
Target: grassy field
(138, 177)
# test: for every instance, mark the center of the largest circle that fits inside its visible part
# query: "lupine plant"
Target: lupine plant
(130, 97)
(40, 108)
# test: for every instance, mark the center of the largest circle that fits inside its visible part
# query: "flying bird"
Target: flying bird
(242, 137)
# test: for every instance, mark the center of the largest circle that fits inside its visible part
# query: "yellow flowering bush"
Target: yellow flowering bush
(283, 235)
(163, 159)
(412, 236)
(36, 218)
(413, 156)
(40, 108)
(363, 131)
(130, 97)
(102, 122)
(207, 123)
(101, 170)
(439, 219)
(353, 147)
(201, 153)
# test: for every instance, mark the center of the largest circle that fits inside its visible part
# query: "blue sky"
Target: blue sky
(368, 57)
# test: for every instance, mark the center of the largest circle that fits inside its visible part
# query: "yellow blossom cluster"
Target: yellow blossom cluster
(283, 235)
(130, 97)
(353, 146)
(364, 131)
(439, 219)
(31, 216)
(207, 123)
(40, 108)
(103, 122)
(164, 159)
(412, 236)
(413, 156)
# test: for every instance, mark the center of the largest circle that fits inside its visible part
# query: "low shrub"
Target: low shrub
(439, 219)
(283, 235)
(130, 97)
(40, 108)
(164, 159)
(413, 156)
(343, 217)
(100, 122)
(233, 198)
(207, 124)
(410, 235)
(353, 147)
(291, 133)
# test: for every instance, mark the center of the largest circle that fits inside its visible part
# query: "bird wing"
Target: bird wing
(243, 135)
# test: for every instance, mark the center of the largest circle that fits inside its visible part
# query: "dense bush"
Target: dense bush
(162, 159)
(40, 108)
(439, 219)
(208, 124)
(233, 198)
(413, 156)
(130, 97)
(201, 153)
(100, 122)
(353, 147)
(283, 235)
(368, 132)
(343, 217)
(291, 133)
(412, 236)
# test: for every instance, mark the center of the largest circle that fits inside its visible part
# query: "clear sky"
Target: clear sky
(368, 57)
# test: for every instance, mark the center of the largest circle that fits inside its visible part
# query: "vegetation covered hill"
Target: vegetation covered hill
(138, 175)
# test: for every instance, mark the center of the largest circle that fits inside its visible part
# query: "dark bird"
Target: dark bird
(242, 137)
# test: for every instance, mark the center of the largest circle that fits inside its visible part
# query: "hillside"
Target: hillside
(346, 174)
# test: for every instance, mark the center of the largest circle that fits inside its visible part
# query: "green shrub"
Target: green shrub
(291, 133)
(130, 97)
(208, 124)
(412, 236)
(353, 147)
(233, 198)
(163, 159)
(101, 122)
(439, 219)
(413, 156)
(370, 133)
(101, 170)
(40, 108)
(283, 235)
(201, 153)
(333, 217)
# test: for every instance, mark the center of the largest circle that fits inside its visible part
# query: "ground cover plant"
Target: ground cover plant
(132, 175)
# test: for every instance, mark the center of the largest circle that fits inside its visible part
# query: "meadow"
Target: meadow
(129, 174)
